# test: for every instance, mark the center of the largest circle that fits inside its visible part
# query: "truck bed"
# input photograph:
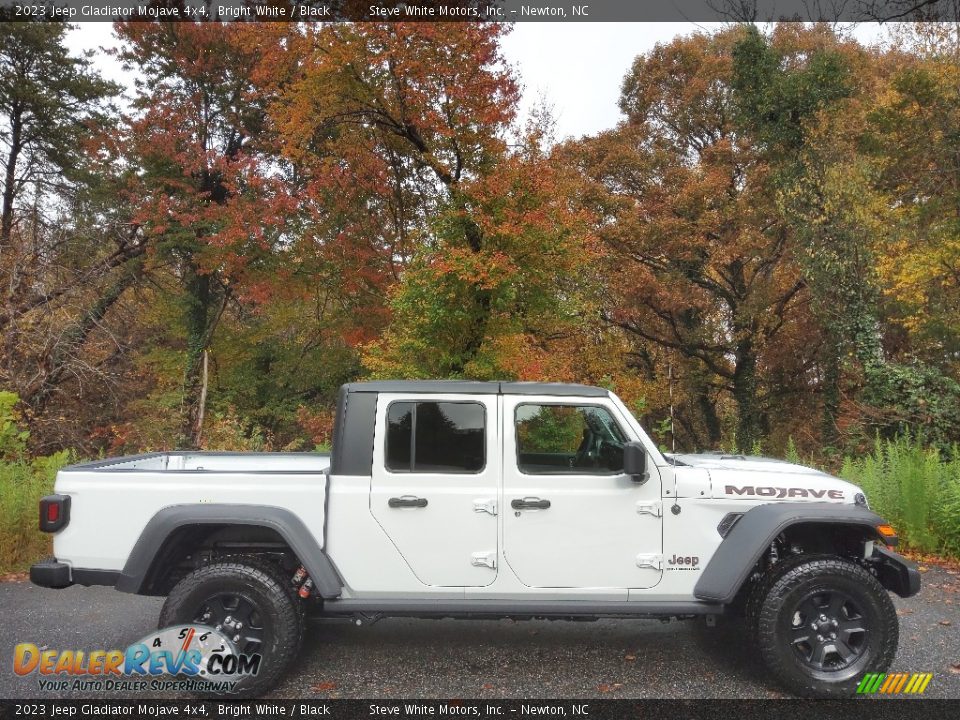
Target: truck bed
(115, 498)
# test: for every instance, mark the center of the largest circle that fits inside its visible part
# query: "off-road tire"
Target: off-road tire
(776, 619)
(268, 590)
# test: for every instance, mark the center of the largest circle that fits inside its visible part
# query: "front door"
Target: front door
(435, 484)
(571, 517)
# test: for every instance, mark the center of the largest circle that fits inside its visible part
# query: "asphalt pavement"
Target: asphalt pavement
(443, 659)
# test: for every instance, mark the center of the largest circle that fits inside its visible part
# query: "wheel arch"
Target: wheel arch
(177, 526)
(752, 534)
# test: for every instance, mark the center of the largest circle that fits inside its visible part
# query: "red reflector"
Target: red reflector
(53, 512)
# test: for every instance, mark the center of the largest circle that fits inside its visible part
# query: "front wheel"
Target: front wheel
(253, 605)
(823, 622)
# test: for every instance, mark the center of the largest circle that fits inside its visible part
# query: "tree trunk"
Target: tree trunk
(10, 177)
(482, 301)
(477, 332)
(203, 395)
(831, 392)
(745, 396)
(711, 420)
(698, 385)
(197, 321)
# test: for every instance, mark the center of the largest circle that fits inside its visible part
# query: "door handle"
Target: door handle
(407, 501)
(529, 503)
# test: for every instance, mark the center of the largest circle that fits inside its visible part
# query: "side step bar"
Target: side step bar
(518, 608)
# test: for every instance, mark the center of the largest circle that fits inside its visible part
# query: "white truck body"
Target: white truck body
(486, 499)
(603, 537)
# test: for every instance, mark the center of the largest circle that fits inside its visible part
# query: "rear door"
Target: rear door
(572, 518)
(435, 484)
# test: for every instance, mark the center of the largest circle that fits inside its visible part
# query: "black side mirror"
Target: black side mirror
(635, 462)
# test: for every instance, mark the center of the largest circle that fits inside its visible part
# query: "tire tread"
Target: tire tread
(765, 605)
(288, 618)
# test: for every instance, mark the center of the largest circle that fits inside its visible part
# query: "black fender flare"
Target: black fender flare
(289, 526)
(752, 534)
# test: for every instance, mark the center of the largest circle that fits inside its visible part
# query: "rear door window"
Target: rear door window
(436, 437)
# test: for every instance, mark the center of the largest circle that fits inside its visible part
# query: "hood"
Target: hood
(736, 477)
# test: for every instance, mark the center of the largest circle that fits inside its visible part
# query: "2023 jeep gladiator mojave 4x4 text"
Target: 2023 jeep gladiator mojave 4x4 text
(488, 500)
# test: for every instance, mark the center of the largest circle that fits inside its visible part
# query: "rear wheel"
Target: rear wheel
(821, 623)
(253, 605)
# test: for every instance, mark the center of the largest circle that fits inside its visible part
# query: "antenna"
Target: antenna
(673, 436)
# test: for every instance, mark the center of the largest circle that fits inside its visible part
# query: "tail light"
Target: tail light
(54, 512)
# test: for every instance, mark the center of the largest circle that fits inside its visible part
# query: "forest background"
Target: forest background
(763, 256)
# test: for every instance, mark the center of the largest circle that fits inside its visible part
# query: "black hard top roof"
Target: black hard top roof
(476, 387)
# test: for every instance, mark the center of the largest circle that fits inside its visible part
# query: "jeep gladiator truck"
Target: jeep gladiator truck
(489, 500)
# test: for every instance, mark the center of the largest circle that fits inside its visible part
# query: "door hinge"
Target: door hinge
(485, 505)
(654, 562)
(650, 508)
(484, 559)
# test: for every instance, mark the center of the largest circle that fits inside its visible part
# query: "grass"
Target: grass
(916, 488)
(22, 484)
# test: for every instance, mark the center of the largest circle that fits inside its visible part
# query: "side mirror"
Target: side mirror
(635, 462)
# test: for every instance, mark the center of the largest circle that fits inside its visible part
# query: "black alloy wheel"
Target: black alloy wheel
(237, 617)
(829, 631)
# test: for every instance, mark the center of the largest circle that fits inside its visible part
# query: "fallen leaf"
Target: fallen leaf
(323, 687)
(946, 622)
(904, 612)
(630, 658)
(487, 686)
(604, 688)
(955, 668)
(926, 559)
(922, 568)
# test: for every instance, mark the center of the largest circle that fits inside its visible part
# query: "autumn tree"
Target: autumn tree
(534, 267)
(203, 188)
(915, 127)
(699, 257)
(387, 124)
(911, 136)
(799, 93)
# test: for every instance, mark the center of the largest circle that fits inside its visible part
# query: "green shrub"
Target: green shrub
(13, 440)
(23, 481)
(916, 488)
(22, 484)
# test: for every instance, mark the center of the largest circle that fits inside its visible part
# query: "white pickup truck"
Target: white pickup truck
(489, 499)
